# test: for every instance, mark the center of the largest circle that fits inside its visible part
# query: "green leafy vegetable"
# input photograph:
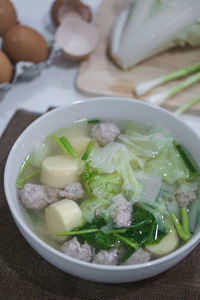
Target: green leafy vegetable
(169, 165)
(126, 241)
(101, 233)
(93, 121)
(142, 31)
(128, 253)
(187, 158)
(114, 157)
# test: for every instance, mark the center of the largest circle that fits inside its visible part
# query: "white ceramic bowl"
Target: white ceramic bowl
(106, 108)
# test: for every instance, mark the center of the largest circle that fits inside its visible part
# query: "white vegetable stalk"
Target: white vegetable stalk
(147, 86)
(187, 105)
(131, 43)
(158, 99)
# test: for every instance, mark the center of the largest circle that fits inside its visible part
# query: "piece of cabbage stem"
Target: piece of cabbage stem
(158, 99)
(187, 105)
(146, 86)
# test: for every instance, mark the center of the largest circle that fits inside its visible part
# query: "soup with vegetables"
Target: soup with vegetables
(112, 194)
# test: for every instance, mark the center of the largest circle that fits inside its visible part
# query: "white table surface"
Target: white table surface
(56, 85)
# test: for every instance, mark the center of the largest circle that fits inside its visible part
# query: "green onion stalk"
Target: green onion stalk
(147, 86)
(158, 99)
(187, 105)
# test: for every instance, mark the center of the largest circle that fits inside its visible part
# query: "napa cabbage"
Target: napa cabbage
(114, 157)
(145, 28)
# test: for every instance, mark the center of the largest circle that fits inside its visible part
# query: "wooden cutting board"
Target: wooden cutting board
(98, 75)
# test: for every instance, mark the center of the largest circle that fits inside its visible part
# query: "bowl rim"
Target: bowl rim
(185, 248)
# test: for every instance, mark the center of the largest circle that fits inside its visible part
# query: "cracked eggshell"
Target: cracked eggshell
(6, 69)
(61, 8)
(76, 38)
(8, 16)
(22, 43)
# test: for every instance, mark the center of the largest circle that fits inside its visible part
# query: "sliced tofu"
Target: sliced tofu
(59, 171)
(168, 244)
(64, 215)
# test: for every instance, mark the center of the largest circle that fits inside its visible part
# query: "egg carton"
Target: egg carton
(25, 70)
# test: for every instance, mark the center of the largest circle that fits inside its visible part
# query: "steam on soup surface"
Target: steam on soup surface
(111, 194)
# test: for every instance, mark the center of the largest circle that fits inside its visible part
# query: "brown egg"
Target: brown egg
(5, 68)
(22, 43)
(8, 16)
(61, 8)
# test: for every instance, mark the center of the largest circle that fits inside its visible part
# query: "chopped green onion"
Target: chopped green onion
(57, 140)
(145, 87)
(93, 121)
(25, 165)
(158, 99)
(187, 105)
(21, 181)
(183, 235)
(184, 219)
(187, 160)
(126, 241)
(68, 146)
(88, 150)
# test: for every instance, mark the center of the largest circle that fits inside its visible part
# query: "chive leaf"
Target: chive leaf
(21, 181)
(68, 146)
(57, 140)
(88, 150)
(24, 166)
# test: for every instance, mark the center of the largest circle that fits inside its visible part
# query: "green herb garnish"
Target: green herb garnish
(58, 141)
(68, 146)
(93, 121)
(20, 181)
(143, 230)
(88, 150)
(24, 166)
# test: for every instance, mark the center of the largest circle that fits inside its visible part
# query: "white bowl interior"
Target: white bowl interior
(114, 109)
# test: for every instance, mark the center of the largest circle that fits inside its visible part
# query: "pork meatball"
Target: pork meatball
(35, 196)
(138, 257)
(105, 132)
(72, 191)
(122, 212)
(76, 250)
(185, 198)
(106, 257)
